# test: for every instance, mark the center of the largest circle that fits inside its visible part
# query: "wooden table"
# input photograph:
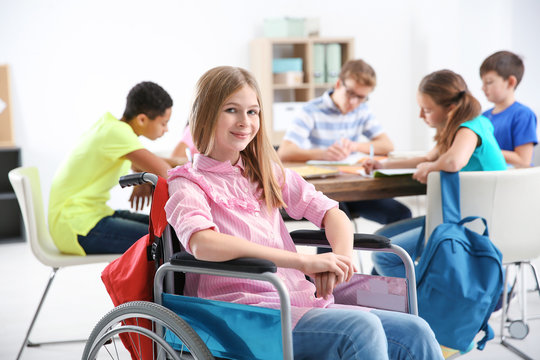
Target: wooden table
(349, 187)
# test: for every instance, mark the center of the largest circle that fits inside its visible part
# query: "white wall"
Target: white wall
(73, 60)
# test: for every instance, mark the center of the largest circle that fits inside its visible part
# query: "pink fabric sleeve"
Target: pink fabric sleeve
(303, 200)
(187, 210)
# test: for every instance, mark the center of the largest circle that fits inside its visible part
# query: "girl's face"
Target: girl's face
(434, 115)
(238, 123)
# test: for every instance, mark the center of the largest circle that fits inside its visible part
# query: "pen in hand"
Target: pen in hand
(371, 151)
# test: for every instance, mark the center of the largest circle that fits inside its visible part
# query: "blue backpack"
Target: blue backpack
(459, 275)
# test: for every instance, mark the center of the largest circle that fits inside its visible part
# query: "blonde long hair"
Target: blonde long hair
(212, 91)
(447, 88)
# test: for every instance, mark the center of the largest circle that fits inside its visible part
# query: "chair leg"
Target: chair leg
(25, 342)
(535, 276)
(519, 276)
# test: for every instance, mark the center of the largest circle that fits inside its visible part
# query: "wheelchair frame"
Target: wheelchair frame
(247, 268)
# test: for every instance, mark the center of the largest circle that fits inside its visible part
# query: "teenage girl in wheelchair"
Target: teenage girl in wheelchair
(225, 206)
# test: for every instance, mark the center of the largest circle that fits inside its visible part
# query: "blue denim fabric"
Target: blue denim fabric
(115, 234)
(382, 211)
(404, 234)
(350, 334)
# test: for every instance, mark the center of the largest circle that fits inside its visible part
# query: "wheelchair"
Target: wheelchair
(179, 327)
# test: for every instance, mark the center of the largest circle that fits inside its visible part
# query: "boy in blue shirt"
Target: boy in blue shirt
(514, 123)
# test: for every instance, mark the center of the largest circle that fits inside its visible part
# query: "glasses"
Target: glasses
(351, 95)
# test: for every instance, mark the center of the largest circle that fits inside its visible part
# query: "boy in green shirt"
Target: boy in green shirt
(80, 221)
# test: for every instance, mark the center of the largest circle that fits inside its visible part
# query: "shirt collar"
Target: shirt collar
(205, 163)
(329, 103)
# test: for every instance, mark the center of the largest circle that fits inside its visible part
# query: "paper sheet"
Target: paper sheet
(350, 160)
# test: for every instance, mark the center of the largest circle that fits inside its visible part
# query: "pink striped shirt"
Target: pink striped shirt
(215, 195)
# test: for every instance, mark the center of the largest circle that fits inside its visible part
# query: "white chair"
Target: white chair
(510, 202)
(25, 182)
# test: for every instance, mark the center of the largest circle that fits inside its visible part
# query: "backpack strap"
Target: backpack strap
(489, 334)
(469, 219)
(451, 208)
(450, 205)
(421, 242)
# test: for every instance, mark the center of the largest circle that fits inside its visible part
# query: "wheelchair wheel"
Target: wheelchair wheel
(127, 321)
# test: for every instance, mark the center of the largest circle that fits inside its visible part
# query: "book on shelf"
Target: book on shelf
(326, 63)
(319, 63)
(333, 62)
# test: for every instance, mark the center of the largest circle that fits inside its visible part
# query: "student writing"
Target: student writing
(338, 123)
(464, 142)
(464, 138)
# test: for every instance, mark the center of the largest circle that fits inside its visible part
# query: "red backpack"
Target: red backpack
(131, 276)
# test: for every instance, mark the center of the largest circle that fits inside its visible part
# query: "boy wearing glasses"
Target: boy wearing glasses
(334, 125)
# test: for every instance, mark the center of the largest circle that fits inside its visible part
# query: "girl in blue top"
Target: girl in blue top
(464, 142)
(464, 138)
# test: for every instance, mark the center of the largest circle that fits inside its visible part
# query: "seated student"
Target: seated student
(225, 205)
(332, 126)
(464, 142)
(80, 221)
(514, 123)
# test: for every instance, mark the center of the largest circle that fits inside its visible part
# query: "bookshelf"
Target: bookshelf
(6, 124)
(10, 158)
(10, 214)
(264, 50)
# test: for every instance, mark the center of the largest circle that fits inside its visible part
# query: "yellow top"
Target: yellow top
(81, 187)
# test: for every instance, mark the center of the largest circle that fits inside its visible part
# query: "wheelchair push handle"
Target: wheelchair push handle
(138, 179)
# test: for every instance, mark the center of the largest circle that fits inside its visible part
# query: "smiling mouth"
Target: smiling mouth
(240, 135)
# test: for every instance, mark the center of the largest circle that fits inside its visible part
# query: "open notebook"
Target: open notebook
(350, 160)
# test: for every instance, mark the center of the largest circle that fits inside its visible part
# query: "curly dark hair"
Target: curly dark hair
(147, 98)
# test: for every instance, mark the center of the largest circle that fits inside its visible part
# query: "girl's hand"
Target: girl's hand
(370, 165)
(329, 270)
(325, 284)
(422, 171)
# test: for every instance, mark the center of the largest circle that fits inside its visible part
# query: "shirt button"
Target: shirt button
(257, 213)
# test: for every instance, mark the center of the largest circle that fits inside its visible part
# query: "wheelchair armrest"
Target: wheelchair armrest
(246, 265)
(318, 238)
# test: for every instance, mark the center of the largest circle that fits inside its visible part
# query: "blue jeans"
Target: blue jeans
(383, 211)
(350, 334)
(405, 234)
(115, 234)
